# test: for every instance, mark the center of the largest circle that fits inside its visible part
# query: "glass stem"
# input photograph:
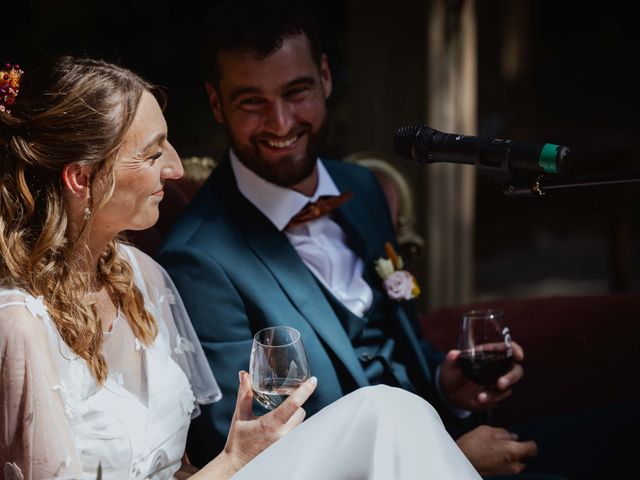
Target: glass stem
(489, 416)
(490, 411)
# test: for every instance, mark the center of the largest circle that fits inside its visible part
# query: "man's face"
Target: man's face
(274, 109)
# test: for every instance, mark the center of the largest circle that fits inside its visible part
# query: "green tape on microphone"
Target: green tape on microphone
(548, 158)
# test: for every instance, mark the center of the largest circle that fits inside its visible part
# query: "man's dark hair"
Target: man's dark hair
(256, 26)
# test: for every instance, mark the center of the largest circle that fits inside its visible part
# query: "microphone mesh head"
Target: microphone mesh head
(414, 143)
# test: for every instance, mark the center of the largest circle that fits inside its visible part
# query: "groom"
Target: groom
(250, 252)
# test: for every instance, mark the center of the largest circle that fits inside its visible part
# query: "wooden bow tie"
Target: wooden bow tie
(322, 206)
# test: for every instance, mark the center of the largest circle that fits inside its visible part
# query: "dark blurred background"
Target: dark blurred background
(575, 84)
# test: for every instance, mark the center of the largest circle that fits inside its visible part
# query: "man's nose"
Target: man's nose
(280, 118)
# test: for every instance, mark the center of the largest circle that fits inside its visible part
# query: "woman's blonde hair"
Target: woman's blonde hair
(72, 110)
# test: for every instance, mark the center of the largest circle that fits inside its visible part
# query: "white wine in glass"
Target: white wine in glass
(278, 365)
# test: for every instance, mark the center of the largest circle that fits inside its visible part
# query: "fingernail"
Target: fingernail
(503, 382)
(482, 397)
(240, 375)
(313, 380)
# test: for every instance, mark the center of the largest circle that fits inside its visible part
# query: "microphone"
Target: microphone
(423, 144)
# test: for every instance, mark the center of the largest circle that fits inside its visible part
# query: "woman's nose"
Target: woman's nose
(173, 169)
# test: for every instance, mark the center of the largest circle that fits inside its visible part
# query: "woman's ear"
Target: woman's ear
(76, 178)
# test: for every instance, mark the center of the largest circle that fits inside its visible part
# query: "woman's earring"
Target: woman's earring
(87, 213)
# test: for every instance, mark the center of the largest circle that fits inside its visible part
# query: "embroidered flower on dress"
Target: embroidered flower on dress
(188, 401)
(158, 464)
(183, 345)
(170, 296)
(116, 378)
(139, 345)
(73, 405)
(36, 306)
(398, 283)
(137, 464)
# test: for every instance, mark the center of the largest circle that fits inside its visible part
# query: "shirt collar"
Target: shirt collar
(278, 204)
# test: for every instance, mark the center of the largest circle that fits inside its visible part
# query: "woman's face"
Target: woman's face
(145, 161)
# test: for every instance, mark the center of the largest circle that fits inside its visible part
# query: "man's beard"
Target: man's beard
(288, 171)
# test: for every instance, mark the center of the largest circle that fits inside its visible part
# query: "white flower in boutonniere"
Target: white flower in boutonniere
(398, 282)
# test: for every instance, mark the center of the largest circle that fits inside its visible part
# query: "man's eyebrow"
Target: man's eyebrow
(240, 91)
(307, 80)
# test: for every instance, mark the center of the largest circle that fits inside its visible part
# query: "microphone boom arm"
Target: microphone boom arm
(541, 184)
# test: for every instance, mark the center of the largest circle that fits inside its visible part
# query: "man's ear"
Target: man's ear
(76, 178)
(325, 76)
(214, 101)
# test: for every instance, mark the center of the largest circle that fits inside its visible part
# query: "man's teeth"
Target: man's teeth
(282, 143)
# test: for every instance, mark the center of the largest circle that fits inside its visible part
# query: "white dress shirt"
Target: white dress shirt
(321, 243)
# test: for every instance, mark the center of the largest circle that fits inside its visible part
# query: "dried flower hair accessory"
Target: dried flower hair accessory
(399, 283)
(9, 86)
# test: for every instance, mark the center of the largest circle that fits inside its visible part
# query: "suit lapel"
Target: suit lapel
(274, 250)
(362, 237)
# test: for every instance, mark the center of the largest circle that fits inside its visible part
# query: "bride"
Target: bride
(100, 370)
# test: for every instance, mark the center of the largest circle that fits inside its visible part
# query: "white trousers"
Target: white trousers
(374, 433)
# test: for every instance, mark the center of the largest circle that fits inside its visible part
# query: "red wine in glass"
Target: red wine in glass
(484, 368)
(485, 348)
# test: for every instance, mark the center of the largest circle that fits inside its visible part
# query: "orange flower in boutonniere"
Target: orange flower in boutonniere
(398, 282)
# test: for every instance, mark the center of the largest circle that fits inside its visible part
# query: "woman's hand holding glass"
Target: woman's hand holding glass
(249, 435)
(279, 380)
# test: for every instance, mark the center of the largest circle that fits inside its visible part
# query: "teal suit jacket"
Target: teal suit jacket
(236, 274)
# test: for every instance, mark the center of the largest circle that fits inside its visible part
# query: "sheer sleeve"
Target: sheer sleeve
(35, 437)
(165, 304)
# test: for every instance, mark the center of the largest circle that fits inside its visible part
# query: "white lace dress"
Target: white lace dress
(56, 422)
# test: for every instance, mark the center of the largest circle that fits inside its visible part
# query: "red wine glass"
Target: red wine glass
(485, 348)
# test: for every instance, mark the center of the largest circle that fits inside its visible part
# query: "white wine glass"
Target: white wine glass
(278, 365)
(485, 347)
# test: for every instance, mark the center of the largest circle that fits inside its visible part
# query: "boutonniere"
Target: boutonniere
(398, 282)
